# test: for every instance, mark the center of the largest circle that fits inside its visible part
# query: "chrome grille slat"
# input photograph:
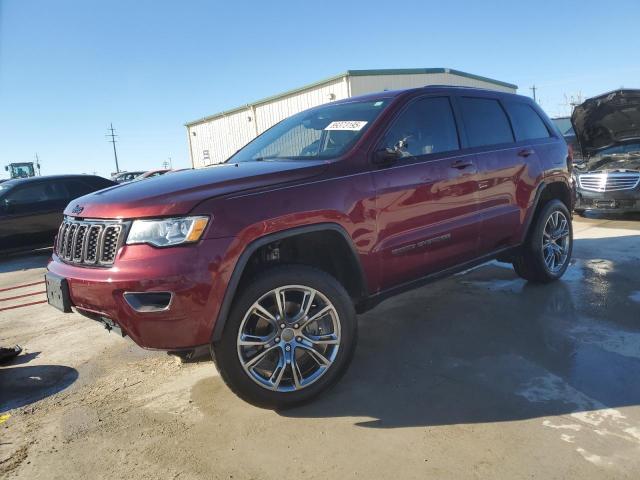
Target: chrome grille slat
(90, 242)
(69, 243)
(609, 181)
(109, 243)
(91, 249)
(62, 232)
(78, 242)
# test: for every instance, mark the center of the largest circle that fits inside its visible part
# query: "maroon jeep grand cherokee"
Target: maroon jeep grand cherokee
(268, 257)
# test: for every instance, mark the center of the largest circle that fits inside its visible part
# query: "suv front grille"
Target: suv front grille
(89, 242)
(608, 182)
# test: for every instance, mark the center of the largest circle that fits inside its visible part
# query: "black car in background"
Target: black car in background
(607, 128)
(31, 208)
(566, 129)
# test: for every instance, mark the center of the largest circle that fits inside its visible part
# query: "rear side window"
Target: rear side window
(527, 124)
(38, 193)
(78, 188)
(485, 122)
(426, 126)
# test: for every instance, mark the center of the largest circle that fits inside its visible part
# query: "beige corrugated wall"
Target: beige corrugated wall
(215, 140)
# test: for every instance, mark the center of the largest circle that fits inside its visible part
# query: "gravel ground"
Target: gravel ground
(476, 376)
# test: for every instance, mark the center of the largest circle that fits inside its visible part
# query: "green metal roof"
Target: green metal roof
(352, 73)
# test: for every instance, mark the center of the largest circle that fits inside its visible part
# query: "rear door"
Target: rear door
(426, 200)
(502, 179)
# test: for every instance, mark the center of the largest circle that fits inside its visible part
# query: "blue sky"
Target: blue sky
(69, 68)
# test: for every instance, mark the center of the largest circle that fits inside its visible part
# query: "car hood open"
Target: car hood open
(607, 120)
(178, 193)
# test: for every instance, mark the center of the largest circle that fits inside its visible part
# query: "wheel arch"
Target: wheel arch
(546, 191)
(356, 285)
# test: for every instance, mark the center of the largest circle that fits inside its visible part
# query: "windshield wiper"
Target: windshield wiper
(262, 159)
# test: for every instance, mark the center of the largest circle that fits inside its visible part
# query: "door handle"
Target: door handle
(526, 152)
(460, 164)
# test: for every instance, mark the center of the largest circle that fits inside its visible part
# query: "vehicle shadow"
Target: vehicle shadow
(22, 359)
(608, 215)
(24, 260)
(488, 347)
(21, 386)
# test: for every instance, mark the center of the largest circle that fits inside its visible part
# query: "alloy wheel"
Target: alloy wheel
(289, 338)
(555, 241)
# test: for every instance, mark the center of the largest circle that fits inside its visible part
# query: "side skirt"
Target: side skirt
(374, 300)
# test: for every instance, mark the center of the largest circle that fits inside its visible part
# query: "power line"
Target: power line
(113, 141)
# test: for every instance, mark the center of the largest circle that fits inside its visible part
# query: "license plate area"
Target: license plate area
(58, 292)
(605, 204)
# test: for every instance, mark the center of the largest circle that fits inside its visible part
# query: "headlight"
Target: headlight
(167, 231)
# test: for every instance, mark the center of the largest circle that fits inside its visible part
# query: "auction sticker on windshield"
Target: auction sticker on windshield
(354, 125)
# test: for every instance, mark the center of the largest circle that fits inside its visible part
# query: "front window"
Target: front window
(321, 133)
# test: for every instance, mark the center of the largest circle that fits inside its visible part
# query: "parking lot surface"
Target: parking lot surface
(477, 376)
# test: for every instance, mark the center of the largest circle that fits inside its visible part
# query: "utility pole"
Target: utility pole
(533, 89)
(38, 165)
(113, 141)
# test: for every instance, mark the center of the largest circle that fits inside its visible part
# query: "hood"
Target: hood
(607, 120)
(178, 193)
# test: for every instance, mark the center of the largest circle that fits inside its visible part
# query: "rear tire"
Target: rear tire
(278, 349)
(545, 255)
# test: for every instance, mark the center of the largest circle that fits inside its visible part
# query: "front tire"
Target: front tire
(290, 335)
(546, 253)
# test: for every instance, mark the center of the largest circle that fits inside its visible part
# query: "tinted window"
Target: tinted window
(485, 122)
(37, 192)
(426, 126)
(78, 188)
(527, 124)
(98, 182)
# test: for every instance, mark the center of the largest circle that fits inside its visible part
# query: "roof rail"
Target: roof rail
(453, 86)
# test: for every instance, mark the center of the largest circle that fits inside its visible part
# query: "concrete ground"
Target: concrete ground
(477, 376)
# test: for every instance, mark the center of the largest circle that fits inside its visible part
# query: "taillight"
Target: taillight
(570, 157)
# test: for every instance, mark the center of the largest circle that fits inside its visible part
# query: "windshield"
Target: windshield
(321, 133)
(564, 125)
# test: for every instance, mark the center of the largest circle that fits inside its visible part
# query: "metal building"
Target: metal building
(215, 138)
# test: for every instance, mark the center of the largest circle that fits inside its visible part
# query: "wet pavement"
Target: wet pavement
(479, 375)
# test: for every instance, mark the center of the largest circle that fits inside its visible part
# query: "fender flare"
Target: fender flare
(243, 259)
(532, 210)
(536, 203)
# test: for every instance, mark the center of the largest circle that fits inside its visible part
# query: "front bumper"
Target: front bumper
(614, 201)
(194, 274)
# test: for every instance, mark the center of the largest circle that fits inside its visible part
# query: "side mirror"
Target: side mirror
(386, 156)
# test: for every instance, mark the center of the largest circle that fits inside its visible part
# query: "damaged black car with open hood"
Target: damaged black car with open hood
(608, 131)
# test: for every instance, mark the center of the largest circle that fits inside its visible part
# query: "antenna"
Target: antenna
(113, 141)
(533, 89)
(38, 165)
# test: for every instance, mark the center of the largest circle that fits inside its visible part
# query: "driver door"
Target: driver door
(427, 199)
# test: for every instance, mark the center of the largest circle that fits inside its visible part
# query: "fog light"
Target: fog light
(148, 301)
